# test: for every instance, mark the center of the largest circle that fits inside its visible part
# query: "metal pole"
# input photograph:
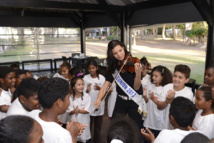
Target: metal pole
(82, 38)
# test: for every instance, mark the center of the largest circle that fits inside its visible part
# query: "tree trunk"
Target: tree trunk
(142, 34)
(163, 31)
(174, 32)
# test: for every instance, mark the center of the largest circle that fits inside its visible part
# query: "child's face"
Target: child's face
(157, 78)
(31, 103)
(64, 72)
(92, 69)
(20, 78)
(79, 86)
(179, 79)
(209, 77)
(200, 101)
(10, 80)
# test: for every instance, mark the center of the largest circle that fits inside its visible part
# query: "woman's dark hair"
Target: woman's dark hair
(207, 90)
(165, 73)
(94, 63)
(16, 129)
(111, 60)
(72, 83)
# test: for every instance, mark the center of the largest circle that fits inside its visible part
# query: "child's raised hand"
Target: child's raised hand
(81, 127)
(148, 136)
(170, 96)
(77, 111)
(73, 129)
(144, 92)
(96, 87)
(88, 88)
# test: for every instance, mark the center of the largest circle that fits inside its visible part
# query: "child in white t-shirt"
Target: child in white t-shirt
(160, 76)
(27, 100)
(7, 81)
(54, 98)
(181, 115)
(170, 91)
(79, 107)
(204, 120)
(93, 82)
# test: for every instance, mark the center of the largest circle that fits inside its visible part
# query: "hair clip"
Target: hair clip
(116, 141)
(79, 74)
(163, 71)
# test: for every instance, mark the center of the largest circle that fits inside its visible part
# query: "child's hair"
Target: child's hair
(165, 73)
(14, 66)
(28, 87)
(51, 90)
(184, 69)
(4, 71)
(94, 63)
(65, 64)
(195, 138)
(183, 111)
(123, 129)
(72, 83)
(19, 72)
(76, 72)
(210, 67)
(16, 129)
(144, 61)
(207, 90)
(42, 78)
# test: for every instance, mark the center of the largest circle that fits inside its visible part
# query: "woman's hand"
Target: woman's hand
(97, 104)
(138, 68)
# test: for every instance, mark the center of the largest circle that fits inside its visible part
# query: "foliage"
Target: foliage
(113, 37)
(190, 33)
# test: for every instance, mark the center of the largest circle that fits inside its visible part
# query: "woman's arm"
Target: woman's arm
(137, 79)
(101, 94)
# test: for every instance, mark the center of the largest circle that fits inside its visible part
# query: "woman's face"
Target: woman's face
(118, 53)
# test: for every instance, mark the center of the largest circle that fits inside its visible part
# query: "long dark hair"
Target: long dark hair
(165, 73)
(111, 60)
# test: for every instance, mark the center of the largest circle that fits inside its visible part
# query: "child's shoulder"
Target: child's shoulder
(86, 95)
(168, 86)
(101, 76)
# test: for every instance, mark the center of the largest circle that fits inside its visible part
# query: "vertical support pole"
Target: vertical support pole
(123, 27)
(210, 40)
(82, 38)
(130, 39)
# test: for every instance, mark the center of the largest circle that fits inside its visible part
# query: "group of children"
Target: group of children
(170, 105)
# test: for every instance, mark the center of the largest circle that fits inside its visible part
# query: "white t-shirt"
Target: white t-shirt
(172, 136)
(146, 81)
(52, 132)
(185, 92)
(83, 104)
(16, 108)
(112, 100)
(154, 119)
(94, 93)
(204, 124)
(5, 99)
